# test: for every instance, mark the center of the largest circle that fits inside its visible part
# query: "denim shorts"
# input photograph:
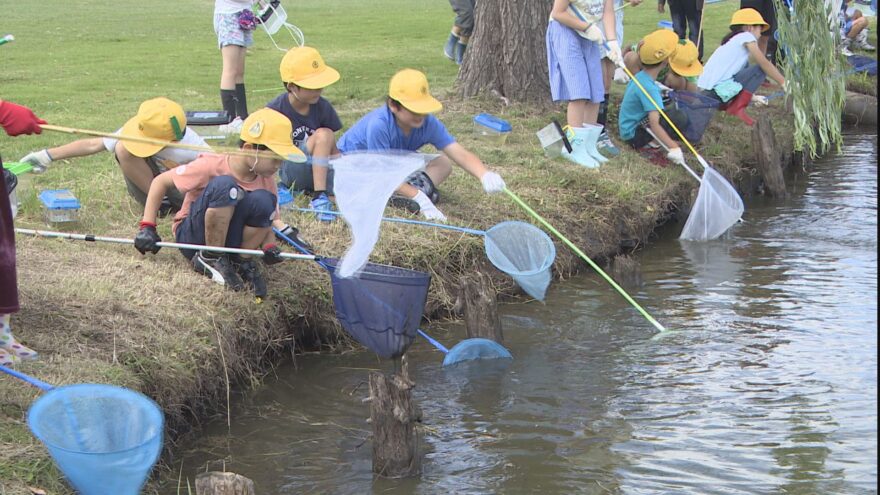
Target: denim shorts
(230, 33)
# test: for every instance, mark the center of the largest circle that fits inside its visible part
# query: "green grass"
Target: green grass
(100, 313)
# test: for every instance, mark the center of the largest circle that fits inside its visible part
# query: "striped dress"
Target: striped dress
(574, 62)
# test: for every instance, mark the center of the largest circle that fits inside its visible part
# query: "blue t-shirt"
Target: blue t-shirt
(378, 130)
(635, 105)
(321, 114)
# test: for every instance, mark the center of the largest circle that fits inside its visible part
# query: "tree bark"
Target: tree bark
(769, 156)
(481, 308)
(393, 416)
(217, 483)
(507, 53)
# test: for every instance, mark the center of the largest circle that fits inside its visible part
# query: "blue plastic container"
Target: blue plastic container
(59, 205)
(665, 24)
(492, 128)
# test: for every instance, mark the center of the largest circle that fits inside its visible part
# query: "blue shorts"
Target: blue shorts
(252, 209)
(230, 33)
(298, 176)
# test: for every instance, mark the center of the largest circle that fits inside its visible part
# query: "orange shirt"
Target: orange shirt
(192, 178)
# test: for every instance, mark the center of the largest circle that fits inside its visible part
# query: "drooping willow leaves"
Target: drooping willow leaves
(814, 72)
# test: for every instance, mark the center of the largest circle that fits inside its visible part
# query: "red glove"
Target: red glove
(17, 119)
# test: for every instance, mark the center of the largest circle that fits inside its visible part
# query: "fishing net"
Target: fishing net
(698, 109)
(382, 307)
(104, 439)
(717, 208)
(524, 252)
(363, 182)
(476, 348)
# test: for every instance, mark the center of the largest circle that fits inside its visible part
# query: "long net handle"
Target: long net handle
(171, 144)
(586, 258)
(27, 379)
(700, 27)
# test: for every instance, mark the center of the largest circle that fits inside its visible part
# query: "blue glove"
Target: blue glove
(322, 203)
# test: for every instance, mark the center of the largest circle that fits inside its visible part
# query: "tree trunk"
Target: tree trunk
(393, 415)
(507, 52)
(769, 157)
(481, 308)
(217, 483)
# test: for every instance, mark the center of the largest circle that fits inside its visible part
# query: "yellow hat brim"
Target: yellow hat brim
(423, 106)
(141, 150)
(695, 69)
(320, 80)
(288, 152)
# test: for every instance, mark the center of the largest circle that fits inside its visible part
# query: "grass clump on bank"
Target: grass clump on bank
(103, 313)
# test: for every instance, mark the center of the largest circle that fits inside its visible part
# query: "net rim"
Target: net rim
(543, 235)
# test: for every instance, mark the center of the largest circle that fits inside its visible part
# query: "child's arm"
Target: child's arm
(765, 64)
(80, 147)
(465, 159)
(560, 14)
(158, 189)
(659, 131)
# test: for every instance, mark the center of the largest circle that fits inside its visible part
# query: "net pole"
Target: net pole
(586, 258)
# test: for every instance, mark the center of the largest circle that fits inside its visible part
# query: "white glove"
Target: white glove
(593, 33)
(614, 54)
(759, 100)
(620, 76)
(40, 160)
(675, 155)
(492, 182)
(427, 207)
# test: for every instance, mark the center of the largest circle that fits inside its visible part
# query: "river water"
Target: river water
(766, 384)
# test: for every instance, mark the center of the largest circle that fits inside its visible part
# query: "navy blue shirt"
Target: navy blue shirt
(321, 114)
(378, 131)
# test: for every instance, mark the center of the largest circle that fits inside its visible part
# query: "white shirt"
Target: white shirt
(231, 6)
(727, 60)
(170, 157)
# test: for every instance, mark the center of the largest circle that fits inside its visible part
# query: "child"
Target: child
(854, 29)
(728, 77)
(687, 15)
(305, 75)
(461, 30)
(230, 200)
(159, 118)
(15, 120)
(574, 62)
(604, 143)
(233, 23)
(767, 10)
(406, 122)
(638, 114)
(682, 71)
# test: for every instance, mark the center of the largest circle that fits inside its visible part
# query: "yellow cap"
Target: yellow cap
(273, 130)
(304, 67)
(658, 46)
(685, 61)
(410, 88)
(159, 118)
(748, 17)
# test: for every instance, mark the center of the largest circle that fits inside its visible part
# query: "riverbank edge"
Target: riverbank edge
(237, 344)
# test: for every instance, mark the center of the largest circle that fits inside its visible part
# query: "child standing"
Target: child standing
(728, 77)
(233, 23)
(406, 123)
(462, 29)
(314, 120)
(638, 115)
(574, 62)
(230, 200)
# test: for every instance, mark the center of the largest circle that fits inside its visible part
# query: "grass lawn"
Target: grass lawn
(100, 313)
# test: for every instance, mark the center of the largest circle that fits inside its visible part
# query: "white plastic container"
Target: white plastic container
(551, 141)
(59, 205)
(491, 128)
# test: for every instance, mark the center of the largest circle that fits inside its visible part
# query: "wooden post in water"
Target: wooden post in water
(393, 415)
(481, 308)
(217, 483)
(768, 156)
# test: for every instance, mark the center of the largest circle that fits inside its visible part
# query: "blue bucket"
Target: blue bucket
(105, 439)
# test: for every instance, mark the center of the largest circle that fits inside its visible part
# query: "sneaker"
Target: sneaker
(233, 127)
(323, 204)
(403, 202)
(606, 146)
(251, 274)
(844, 48)
(862, 41)
(220, 269)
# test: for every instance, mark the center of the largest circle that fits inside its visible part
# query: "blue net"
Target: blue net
(524, 252)
(861, 63)
(104, 439)
(699, 110)
(470, 349)
(381, 306)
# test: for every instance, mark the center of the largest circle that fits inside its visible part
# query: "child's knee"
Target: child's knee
(260, 207)
(222, 191)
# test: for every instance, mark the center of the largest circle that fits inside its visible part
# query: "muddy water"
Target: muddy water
(767, 385)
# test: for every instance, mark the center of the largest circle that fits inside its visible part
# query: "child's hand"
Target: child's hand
(675, 155)
(492, 182)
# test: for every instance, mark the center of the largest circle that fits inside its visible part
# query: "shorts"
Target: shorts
(464, 15)
(230, 33)
(297, 176)
(252, 209)
(421, 181)
(643, 137)
(767, 10)
(173, 195)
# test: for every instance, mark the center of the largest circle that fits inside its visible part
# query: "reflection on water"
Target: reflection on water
(768, 384)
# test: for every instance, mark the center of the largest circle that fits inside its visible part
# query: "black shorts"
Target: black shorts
(766, 8)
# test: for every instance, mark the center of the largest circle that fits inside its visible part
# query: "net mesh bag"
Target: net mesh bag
(524, 252)
(105, 439)
(717, 208)
(698, 109)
